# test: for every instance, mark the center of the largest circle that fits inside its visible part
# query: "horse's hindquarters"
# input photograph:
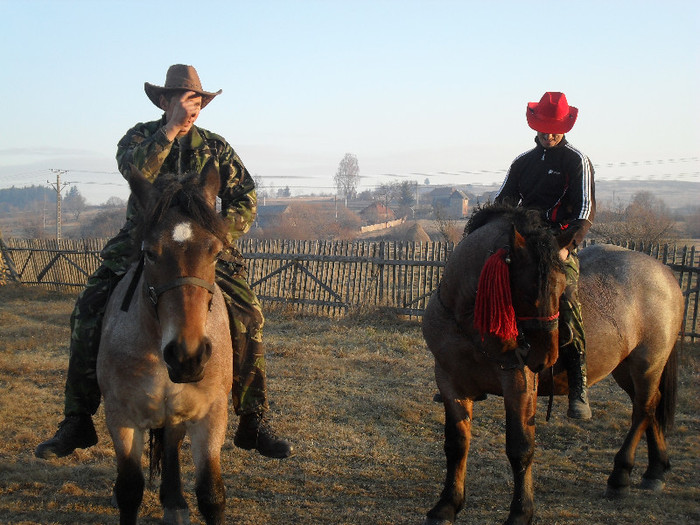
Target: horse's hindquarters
(632, 307)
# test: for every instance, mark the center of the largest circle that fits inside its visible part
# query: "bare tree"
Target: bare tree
(646, 219)
(406, 198)
(446, 225)
(306, 221)
(347, 178)
(74, 202)
(261, 189)
(692, 223)
(115, 202)
(105, 224)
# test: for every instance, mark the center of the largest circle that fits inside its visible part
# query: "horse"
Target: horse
(632, 310)
(165, 355)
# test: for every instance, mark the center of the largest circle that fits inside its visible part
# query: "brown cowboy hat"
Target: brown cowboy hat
(552, 114)
(179, 77)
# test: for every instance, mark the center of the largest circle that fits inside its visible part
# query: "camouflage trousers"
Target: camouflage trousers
(572, 336)
(82, 393)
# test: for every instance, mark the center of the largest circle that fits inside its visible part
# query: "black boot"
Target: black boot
(73, 432)
(254, 432)
(578, 390)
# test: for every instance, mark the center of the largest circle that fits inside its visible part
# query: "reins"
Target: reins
(132, 285)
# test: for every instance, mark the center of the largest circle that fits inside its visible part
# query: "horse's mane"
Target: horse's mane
(187, 195)
(539, 237)
(526, 220)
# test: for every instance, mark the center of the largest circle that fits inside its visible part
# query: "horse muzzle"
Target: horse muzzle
(543, 351)
(185, 365)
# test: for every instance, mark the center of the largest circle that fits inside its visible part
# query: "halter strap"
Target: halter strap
(539, 323)
(154, 293)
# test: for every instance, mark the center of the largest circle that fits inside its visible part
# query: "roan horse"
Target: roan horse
(632, 309)
(165, 357)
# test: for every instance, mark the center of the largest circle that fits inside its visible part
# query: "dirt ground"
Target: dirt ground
(355, 398)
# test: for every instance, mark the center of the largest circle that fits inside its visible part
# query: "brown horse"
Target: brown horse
(165, 355)
(632, 309)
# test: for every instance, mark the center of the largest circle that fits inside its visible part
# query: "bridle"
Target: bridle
(546, 324)
(524, 324)
(154, 292)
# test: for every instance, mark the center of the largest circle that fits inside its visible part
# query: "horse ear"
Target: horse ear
(141, 187)
(518, 240)
(211, 181)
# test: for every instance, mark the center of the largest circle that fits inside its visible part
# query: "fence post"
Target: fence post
(7, 263)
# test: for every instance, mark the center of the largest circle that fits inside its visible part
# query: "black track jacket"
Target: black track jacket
(557, 181)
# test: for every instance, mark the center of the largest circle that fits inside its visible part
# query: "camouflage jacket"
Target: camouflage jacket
(146, 147)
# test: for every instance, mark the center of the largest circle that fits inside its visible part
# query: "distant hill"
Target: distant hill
(676, 194)
(613, 193)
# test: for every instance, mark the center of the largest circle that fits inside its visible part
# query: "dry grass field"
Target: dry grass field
(355, 397)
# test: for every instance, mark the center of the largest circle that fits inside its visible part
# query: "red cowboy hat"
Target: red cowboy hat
(179, 77)
(552, 114)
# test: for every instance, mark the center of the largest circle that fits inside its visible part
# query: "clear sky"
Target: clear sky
(415, 89)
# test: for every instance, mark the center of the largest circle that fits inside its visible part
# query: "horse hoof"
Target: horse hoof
(176, 517)
(655, 485)
(433, 521)
(616, 492)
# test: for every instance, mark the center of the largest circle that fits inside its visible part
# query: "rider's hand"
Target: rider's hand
(181, 113)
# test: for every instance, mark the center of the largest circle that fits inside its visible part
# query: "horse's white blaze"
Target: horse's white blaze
(182, 232)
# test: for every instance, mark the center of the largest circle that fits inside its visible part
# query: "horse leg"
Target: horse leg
(128, 489)
(520, 398)
(175, 509)
(619, 479)
(207, 438)
(659, 464)
(643, 409)
(458, 431)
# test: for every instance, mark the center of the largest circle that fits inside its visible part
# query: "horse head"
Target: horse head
(537, 282)
(181, 238)
(517, 303)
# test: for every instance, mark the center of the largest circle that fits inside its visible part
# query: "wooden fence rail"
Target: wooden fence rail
(318, 277)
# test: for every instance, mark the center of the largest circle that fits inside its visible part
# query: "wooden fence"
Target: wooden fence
(319, 277)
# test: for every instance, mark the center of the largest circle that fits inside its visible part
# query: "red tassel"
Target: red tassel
(493, 311)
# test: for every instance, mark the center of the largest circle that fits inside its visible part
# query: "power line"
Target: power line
(7, 181)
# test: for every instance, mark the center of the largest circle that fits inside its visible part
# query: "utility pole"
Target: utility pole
(57, 188)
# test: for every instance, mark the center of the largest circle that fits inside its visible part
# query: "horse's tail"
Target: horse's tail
(155, 451)
(666, 409)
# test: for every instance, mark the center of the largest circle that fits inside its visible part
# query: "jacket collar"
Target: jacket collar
(562, 142)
